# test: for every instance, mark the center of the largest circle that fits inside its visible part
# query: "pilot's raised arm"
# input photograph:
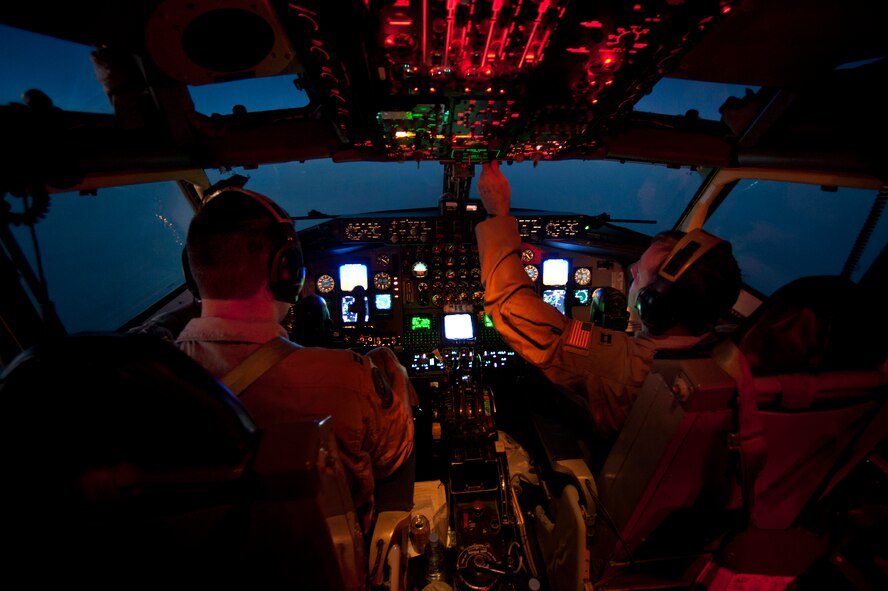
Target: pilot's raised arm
(600, 368)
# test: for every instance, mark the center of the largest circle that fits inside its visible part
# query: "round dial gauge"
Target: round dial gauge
(382, 281)
(582, 276)
(325, 284)
(526, 255)
(532, 272)
(383, 260)
(420, 269)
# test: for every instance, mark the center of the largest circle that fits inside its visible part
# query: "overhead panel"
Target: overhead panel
(576, 67)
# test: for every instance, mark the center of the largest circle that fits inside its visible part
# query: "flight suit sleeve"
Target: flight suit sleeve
(603, 370)
(530, 326)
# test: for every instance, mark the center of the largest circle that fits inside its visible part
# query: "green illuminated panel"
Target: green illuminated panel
(420, 323)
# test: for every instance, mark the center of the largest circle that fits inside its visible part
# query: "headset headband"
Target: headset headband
(286, 272)
(275, 210)
(689, 249)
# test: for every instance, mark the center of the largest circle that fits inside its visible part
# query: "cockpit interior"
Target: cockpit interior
(129, 465)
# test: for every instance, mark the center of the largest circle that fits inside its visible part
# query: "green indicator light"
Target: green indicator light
(488, 322)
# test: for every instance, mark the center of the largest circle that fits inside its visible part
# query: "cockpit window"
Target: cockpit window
(107, 258)
(673, 96)
(783, 231)
(643, 197)
(253, 95)
(129, 239)
(71, 83)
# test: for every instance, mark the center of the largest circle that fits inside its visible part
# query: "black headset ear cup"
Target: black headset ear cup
(287, 273)
(655, 309)
(189, 278)
(659, 306)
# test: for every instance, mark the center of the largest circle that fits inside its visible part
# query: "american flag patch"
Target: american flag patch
(579, 335)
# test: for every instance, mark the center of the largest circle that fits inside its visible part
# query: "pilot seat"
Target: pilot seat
(128, 465)
(729, 465)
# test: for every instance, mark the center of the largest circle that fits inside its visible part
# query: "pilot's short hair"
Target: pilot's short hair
(230, 241)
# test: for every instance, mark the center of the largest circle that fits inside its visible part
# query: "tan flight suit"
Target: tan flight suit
(373, 441)
(601, 369)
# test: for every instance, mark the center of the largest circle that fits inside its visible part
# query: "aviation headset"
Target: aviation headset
(286, 269)
(609, 309)
(657, 304)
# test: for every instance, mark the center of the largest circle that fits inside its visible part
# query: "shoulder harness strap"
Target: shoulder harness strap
(748, 439)
(259, 361)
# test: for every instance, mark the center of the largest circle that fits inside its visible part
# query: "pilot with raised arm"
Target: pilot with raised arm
(681, 286)
(244, 257)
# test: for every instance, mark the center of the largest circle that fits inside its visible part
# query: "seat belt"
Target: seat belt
(257, 363)
(748, 440)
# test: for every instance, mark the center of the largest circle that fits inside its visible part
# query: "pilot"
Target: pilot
(244, 258)
(603, 370)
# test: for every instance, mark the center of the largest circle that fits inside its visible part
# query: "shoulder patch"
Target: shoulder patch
(383, 389)
(578, 335)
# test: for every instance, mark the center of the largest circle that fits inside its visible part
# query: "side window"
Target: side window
(781, 231)
(106, 258)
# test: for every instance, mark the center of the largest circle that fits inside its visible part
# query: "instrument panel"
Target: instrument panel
(412, 280)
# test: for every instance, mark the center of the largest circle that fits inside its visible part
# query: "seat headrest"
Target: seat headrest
(98, 400)
(811, 324)
(312, 326)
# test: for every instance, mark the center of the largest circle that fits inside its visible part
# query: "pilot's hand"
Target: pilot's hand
(494, 189)
(396, 374)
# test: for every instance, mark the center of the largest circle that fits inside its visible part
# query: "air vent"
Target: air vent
(218, 41)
